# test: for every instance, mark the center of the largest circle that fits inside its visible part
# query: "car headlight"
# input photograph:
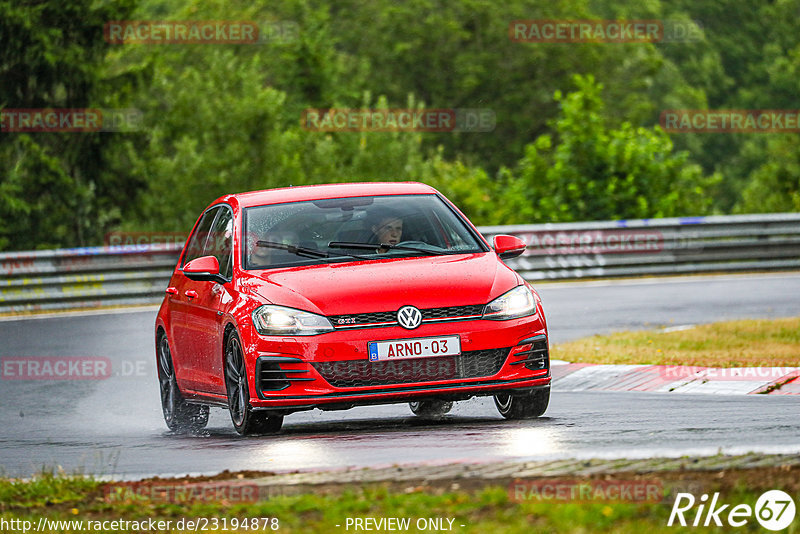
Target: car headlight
(518, 302)
(271, 320)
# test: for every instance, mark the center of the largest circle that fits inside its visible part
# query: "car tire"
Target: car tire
(246, 421)
(523, 406)
(430, 408)
(180, 416)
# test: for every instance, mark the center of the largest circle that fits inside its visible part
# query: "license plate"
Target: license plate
(423, 347)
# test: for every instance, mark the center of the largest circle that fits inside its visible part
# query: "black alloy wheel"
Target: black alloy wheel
(430, 408)
(180, 416)
(245, 420)
(523, 406)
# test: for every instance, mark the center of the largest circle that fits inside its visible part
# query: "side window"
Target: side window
(220, 242)
(199, 237)
(454, 237)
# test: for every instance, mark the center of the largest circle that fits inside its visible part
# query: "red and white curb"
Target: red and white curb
(676, 379)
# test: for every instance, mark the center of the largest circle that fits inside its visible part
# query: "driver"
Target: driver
(260, 256)
(387, 228)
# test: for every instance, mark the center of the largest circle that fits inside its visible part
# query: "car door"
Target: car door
(208, 307)
(189, 334)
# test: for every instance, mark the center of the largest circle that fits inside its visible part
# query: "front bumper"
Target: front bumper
(332, 370)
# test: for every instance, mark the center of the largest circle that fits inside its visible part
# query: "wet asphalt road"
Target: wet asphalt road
(113, 427)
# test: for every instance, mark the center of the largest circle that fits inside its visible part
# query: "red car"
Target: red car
(334, 296)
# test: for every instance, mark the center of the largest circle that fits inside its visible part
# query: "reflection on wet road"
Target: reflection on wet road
(113, 426)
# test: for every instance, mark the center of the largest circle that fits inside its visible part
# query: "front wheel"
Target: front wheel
(180, 416)
(246, 421)
(431, 408)
(523, 406)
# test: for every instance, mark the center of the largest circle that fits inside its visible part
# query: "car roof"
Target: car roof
(316, 192)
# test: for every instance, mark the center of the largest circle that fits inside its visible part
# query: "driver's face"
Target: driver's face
(389, 231)
(262, 256)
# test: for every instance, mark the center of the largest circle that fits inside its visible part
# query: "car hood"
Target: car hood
(386, 285)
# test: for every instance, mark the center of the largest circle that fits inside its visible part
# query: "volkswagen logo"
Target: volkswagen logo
(409, 317)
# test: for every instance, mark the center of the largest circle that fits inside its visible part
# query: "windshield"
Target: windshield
(355, 228)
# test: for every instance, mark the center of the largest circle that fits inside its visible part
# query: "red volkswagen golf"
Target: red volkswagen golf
(335, 296)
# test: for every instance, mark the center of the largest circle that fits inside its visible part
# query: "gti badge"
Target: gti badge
(409, 317)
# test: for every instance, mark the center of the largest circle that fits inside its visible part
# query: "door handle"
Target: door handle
(172, 290)
(191, 293)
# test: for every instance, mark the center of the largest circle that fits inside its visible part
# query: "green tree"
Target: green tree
(775, 185)
(54, 187)
(741, 63)
(214, 126)
(459, 55)
(769, 174)
(593, 172)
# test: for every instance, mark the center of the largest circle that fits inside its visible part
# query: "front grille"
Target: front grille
(362, 318)
(355, 373)
(389, 318)
(454, 311)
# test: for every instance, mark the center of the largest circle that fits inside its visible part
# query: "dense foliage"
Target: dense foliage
(576, 137)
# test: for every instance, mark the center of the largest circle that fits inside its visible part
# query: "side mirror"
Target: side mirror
(203, 269)
(508, 246)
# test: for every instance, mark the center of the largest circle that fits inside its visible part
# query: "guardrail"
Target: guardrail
(85, 277)
(686, 245)
(126, 275)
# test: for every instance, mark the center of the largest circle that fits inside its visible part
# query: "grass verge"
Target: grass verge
(492, 508)
(748, 343)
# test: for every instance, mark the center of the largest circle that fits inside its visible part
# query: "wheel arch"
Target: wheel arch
(230, 327)
(160, 331)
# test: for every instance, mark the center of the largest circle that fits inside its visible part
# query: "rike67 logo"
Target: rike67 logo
(774, 510)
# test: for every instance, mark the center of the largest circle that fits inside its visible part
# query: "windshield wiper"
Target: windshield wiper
(293, 249)
(386, 246)
(304, 252)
